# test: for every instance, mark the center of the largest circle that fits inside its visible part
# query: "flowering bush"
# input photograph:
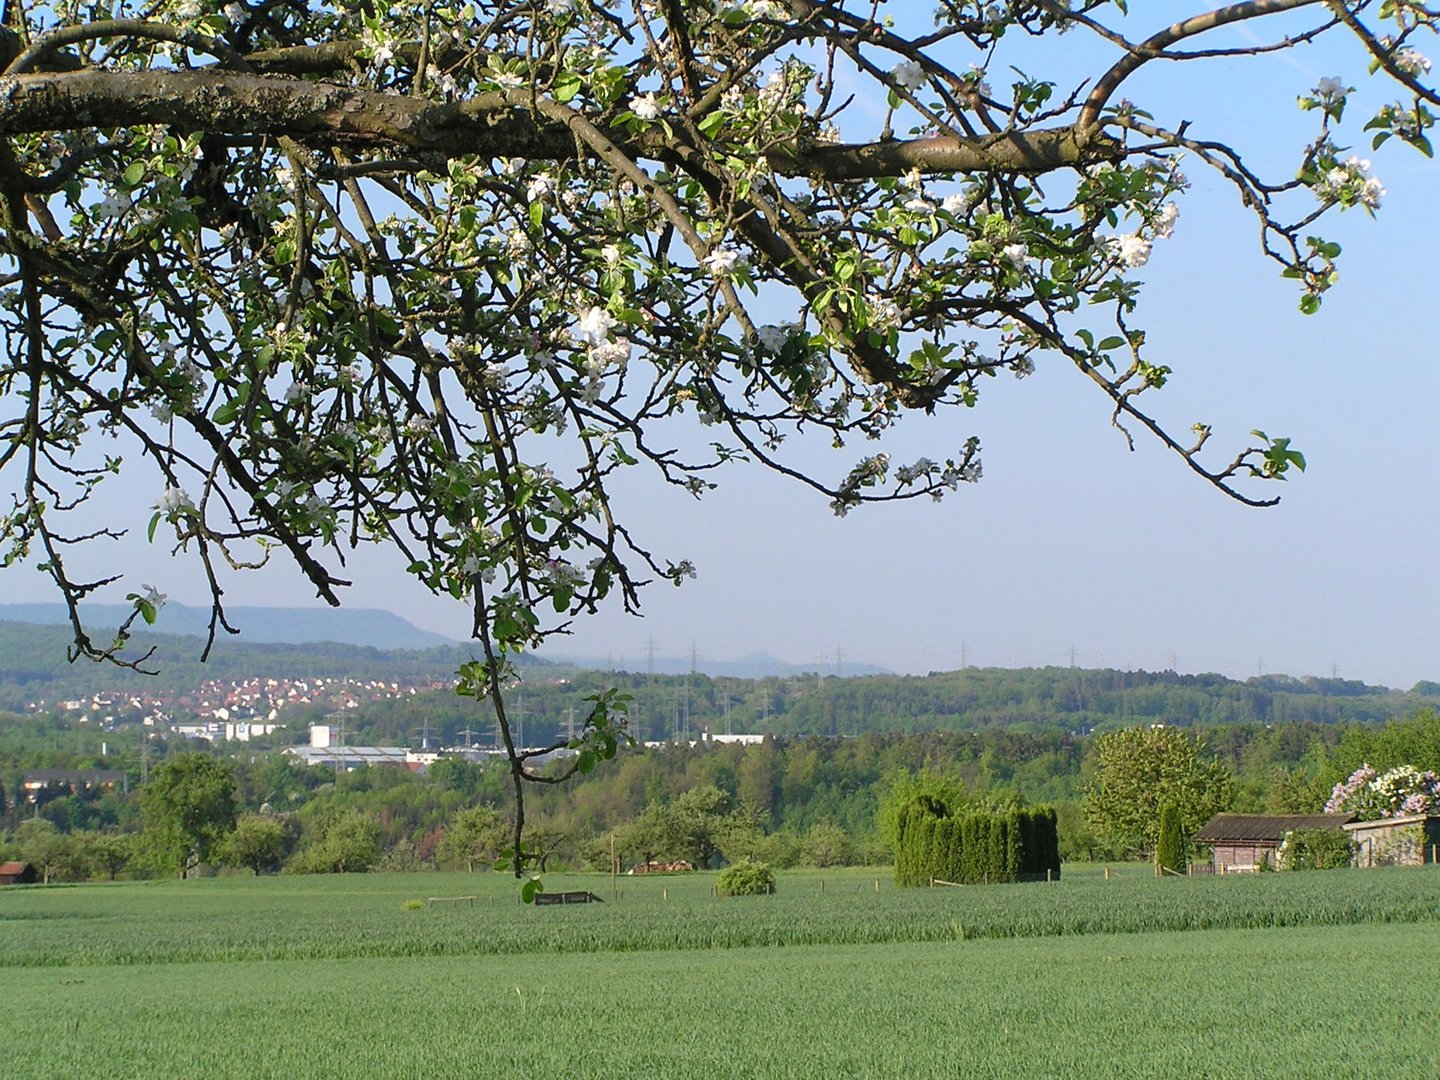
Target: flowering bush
(1400, 792)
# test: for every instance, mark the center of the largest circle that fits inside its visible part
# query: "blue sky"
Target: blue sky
(1071, 541)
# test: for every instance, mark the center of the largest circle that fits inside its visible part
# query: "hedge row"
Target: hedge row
(974, 848)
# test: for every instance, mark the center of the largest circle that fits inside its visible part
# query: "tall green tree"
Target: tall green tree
(1139, 770)
(188, 807)
(1170, 845)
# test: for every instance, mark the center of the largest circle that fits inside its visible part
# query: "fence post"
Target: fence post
(1107, 873)
(664, 894)
(822, 886)
(1048, 878)
(877, 884)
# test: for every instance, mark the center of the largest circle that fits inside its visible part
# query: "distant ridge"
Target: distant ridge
(756, 665)
(268, 625)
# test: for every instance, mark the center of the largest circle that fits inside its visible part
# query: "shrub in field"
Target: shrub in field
(1316, 849)
(973, 847)
(746, 878)
(346, 843)
(1170, 847)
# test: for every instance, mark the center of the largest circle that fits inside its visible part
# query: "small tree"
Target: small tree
(474, 836)
(344, 843)
(259, 843)
(826, 844)
(106, 854)
(46, 848)
(1170, 846)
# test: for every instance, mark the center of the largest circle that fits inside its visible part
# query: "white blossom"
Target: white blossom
(1016, 255)
(173, 500)
(297, 392)
(1131, 249)
(1411, 62)
(645, 106)
(721, 261)
(419, 425)
(594, 324)
(508, 80)
(611, 254)
(957, 203)
(494, 376)
(884, 312)
(920, 205)
(154, 597)
(1165, 221)
(559, 8)
(607, 354)
(908, 74)
(774, 337)
(540, 185)
(236, 12)
(113, 206)
(1330, 89)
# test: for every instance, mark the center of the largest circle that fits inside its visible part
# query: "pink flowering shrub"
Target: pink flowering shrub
(1402, 791)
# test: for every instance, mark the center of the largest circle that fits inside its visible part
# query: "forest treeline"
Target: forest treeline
(1023, 701)
(790, 800)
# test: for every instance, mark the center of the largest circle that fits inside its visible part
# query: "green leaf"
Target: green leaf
(1309, 304)
(566, 87)
(711, 123)
(134, 173)
(154, 521)
(530, 890)
(1112, 342)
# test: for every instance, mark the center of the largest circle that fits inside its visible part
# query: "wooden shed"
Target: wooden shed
(1397, 841)
(1239, 843)
(17, 873)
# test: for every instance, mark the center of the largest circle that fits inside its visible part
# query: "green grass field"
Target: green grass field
(1290, 975)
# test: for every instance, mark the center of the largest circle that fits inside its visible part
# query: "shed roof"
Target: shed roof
(1390, 822)
(12, 868)
(1262, 827)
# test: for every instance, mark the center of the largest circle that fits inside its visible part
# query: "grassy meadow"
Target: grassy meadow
(1287, 975)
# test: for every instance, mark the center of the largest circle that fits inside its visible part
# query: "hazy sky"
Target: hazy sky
(1071, 541)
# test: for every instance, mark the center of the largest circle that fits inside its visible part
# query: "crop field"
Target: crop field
(1289, 975)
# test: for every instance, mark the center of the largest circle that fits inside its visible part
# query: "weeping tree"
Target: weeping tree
(347, 275)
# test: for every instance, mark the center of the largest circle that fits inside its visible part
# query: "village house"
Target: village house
(76, 780)
(1239, 843)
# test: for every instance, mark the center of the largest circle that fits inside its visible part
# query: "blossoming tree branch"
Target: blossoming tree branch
(431, 275)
